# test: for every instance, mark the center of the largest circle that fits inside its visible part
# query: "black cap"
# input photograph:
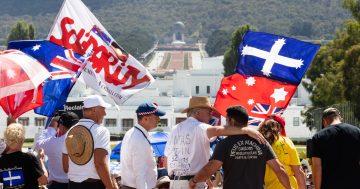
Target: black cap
(68, 119)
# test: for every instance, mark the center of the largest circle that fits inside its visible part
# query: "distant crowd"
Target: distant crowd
(74, 153)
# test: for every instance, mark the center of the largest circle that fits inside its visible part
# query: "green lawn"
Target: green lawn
(301, 149)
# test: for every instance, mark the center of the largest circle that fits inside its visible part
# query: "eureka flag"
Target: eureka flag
(110, 70)
(275, 57)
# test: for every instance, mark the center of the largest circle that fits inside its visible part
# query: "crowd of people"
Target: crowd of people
(78, 151)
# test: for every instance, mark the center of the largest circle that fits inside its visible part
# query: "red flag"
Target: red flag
(22, 102)
(19, 72)
(260, 96)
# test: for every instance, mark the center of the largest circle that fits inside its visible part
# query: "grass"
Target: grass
(301, 149)
(28, 144)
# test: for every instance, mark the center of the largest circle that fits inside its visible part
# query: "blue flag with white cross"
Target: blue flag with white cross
(275, 57)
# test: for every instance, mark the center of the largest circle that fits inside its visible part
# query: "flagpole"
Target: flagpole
(8, 105)
(57, 16)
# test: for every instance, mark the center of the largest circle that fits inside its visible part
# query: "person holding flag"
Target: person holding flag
(51, 142)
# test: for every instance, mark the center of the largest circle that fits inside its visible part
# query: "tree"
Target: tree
(217, 43)
(354, 7)
(231, 54)
(21, 31)
(31, 31)
(301, 28)
(136, 42)
(352, 77)
(335, 71)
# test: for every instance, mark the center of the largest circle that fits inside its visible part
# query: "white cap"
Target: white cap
(95, 100)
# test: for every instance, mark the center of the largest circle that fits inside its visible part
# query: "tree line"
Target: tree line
(307, 19)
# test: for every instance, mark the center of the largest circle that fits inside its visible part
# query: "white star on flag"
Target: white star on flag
(10, 73)
(225, 91)
(233, 88)
(251, 101)
(250, 81)
(36, 47)
(279, 94)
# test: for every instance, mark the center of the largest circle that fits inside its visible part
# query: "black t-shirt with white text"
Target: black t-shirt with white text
(338, 147)
(244, 161)
(20, 170)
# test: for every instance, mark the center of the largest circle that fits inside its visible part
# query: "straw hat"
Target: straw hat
(80, 145)
(199, 102)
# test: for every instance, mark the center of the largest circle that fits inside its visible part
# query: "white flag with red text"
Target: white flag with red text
(110, 70)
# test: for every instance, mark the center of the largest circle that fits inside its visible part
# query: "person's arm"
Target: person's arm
(316, 172)
(231, 130)
(210, 168)
(102, 168)
(280, 172)
(43, 179)
(10, 120)
(295, 163)
(45, 138)
(299, 175)
(65, 162)
(165, 162)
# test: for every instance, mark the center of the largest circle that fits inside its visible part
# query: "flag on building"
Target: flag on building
(110, 70)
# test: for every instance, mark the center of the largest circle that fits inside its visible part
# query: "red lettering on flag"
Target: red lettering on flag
(102, 59)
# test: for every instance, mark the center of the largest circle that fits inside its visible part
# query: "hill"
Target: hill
(308, 19)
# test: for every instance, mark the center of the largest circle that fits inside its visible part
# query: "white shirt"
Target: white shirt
(187, 149)
(52, 146)
(101, 136)
(138, 166)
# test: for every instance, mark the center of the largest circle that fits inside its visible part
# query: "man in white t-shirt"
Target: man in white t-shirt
(87, 149)
(188, 150)
(138, 166)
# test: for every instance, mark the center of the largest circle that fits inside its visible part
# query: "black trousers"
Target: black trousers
(85, 185)
(58, 185)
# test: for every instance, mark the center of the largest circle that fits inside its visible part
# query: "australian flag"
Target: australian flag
(275, 57)
(12, 178)
(64, 65)
(255, 121)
